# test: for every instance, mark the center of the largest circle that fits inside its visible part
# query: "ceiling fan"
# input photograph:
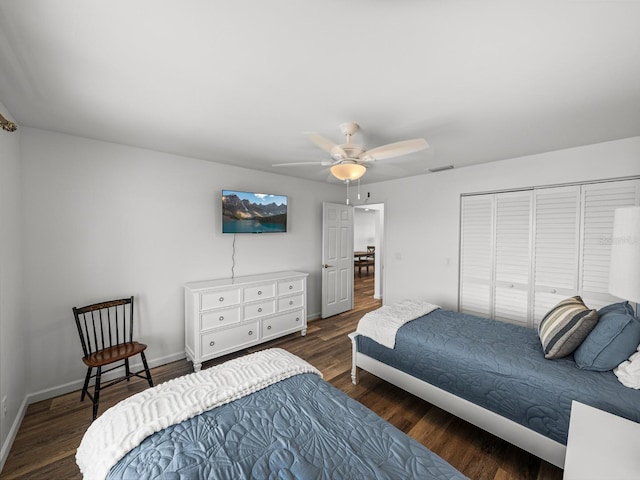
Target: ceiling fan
(350, 161)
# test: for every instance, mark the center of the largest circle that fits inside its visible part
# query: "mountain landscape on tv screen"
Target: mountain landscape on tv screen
(247, 216)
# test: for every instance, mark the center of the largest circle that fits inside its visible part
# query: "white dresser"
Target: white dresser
(229, 314)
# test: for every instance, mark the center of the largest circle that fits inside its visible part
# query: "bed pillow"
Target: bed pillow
(612, 340)
(565, 326)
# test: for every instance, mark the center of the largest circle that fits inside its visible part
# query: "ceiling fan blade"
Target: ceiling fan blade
(323, 163)
(394, 150)
(327, 145)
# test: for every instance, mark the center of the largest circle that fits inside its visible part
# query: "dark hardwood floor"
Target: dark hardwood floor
(52, 429)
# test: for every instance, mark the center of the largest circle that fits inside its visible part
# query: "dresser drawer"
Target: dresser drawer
(275, 326)
(220, 298)
(288, 303)
(259, 292)
(260, 309)
(290, 286)
(219, 318)
(229, 338)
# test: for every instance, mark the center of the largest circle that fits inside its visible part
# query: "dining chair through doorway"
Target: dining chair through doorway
(365, 259)
(106, 334)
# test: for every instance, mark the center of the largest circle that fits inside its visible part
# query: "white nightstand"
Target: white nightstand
(601, 446)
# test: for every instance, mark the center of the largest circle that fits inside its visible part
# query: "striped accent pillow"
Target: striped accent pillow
(565, 326)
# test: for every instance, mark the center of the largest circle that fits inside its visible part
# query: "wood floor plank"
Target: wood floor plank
(52, 429)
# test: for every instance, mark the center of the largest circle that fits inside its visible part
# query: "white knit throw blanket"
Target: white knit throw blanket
(382, 324)
(628, 372)
(125, 425)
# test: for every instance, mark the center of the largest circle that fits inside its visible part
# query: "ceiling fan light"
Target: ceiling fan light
(348, 171)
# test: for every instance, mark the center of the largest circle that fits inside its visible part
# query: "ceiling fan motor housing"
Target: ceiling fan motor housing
(351, 151)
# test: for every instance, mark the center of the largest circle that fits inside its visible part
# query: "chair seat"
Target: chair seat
(114, 354)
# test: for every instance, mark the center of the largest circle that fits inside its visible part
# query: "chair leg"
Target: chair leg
(96, 395)
(85, 387)
(146, 369)
(127, 370)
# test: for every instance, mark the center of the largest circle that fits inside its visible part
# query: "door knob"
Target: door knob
(327, 266)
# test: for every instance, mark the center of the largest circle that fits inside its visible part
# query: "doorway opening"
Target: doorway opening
(368, 238)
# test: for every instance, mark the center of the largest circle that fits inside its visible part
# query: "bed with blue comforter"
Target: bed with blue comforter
(300, 427)
(501, 368)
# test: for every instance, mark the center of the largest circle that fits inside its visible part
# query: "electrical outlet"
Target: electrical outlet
(4, 406)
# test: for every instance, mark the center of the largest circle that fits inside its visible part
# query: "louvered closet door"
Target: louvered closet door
(556, 247)
(476, 254)
(599, 202)
(523, 252)
(512, 256)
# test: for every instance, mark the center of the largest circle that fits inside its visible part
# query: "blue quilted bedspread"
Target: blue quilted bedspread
(299, 428)
(502, 368)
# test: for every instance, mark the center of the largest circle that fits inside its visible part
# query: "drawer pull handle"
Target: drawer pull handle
(212, 343)
(221, 299)
(250, 332)
(260, 309)
(269, 327)
(290, 302)
(259, 292)
(553, 290)
(297, 319)
(290, 287)
(221, 318)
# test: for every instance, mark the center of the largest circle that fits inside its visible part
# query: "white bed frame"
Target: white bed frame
(520, 436)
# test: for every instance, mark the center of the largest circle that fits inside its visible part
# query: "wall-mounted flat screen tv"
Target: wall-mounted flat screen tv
(249, 212)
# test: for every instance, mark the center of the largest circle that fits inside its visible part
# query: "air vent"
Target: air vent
(439, 169)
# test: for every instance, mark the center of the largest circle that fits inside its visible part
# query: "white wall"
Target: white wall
(422, 212)
(12, 348)
(104, 221)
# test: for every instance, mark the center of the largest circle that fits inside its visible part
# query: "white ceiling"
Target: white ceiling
(239, 81)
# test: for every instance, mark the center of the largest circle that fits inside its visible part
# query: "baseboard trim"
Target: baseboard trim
(76, 385)
(6, 446)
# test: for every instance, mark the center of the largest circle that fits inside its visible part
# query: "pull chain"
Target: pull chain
(347, 181)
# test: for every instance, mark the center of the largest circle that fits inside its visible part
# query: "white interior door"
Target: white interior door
(337, 258)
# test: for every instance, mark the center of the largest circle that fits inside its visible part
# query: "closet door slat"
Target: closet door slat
(556, 247)
(476, 255)
(512, 256)
(599, 203)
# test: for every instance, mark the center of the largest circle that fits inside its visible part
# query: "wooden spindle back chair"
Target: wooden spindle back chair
(106, 334)
(368, 261)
